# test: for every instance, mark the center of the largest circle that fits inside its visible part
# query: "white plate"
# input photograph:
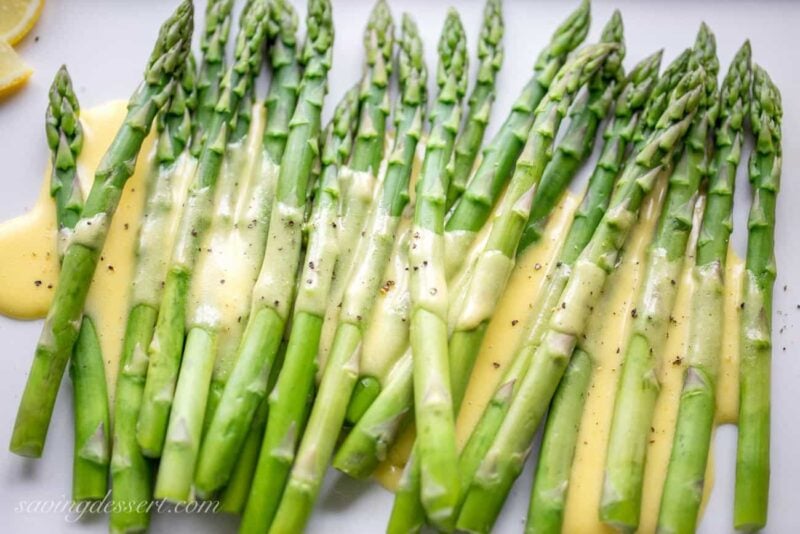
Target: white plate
(105, 45)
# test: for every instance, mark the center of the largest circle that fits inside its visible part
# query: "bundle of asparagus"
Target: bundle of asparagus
(273, 252)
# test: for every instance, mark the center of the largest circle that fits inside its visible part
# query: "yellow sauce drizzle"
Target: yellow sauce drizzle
(29, 270)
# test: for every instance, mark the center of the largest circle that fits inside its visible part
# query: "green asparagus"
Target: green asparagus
(752, 453)
(369, 440)
(288, 402)
(85, 242)
(549, 492)
(167, 188)
(683, 487)
(176, 404)
(428, 289)
(166, 346)
(90, 398)
(638, 385)
(506, 453)
(247, 386)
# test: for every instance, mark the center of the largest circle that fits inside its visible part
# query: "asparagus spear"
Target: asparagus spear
(369, 265)
(248, 382)
(752, 454)
(80, 258)
(468, 141)
(280, 105)
(549, 492)
(181, 436)
(376, 429)
(638, 386)
(428, 288)
(472, 210)
(505, 456)
(490, 59)
(600, 64)
(130, 472)
(167, 342)
(289, 398)
(683, 487)
(92, 448)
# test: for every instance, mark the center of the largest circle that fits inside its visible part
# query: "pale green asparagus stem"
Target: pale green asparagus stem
(376, 430)
(496, 260)
(683, 487)
(428, 288)
(752, 453)
(638, 386)
(166, 347)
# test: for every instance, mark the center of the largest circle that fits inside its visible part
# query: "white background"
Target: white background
(105, 45)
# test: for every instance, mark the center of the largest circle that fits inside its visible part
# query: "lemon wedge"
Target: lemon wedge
(13, 72)
(17, 17)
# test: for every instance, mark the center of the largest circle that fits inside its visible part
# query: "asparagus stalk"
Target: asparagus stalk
(167, 342)
(371, 259)
(233, 497)
(376, 429)
(638, 386)
(296, 380)
(683, 487)
(505, 455)
(238, 215)
(428, 288)
(548, 496)
(601, 64)
(468, 141)
(248, 383)
(60, 330)
(752, 460)
(490, 59)
(472, 210)
(90, 398)
(280, 105)
(65, 139)
(130, 472)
